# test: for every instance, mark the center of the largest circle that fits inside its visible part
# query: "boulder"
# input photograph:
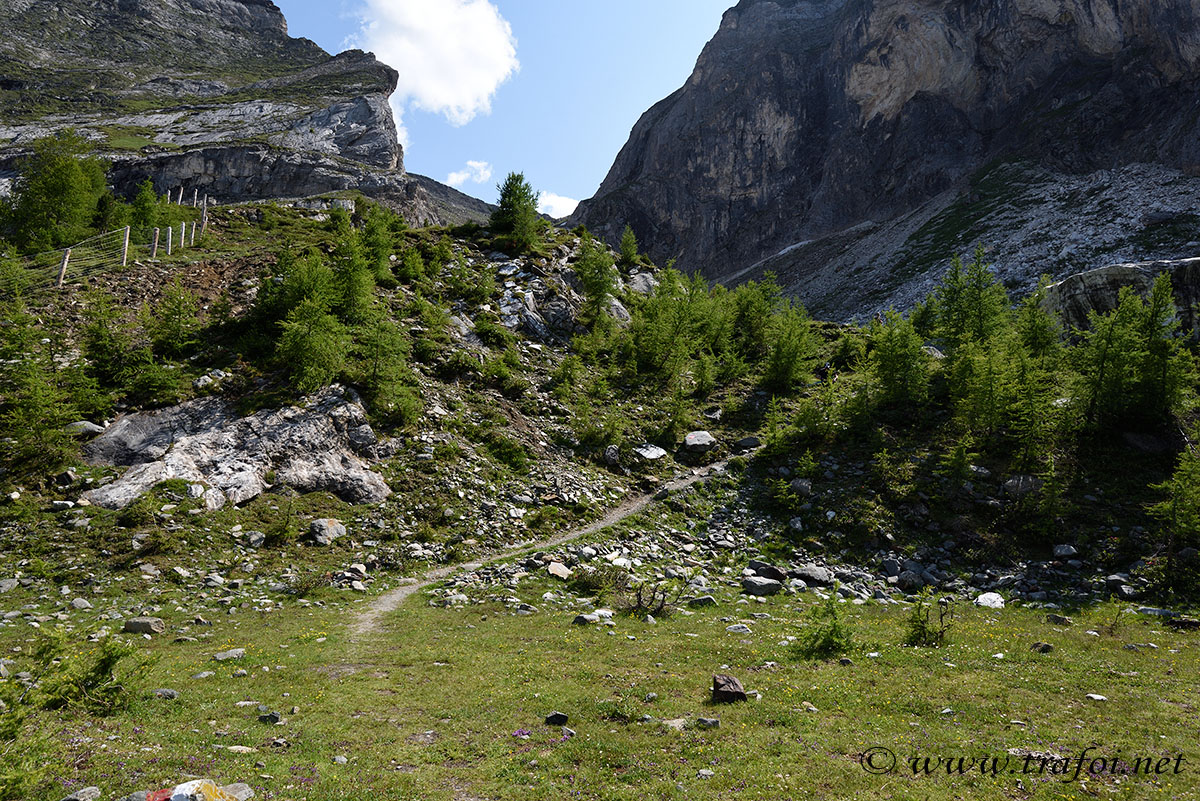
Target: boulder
(649, 452)
(319, 445)
(812, 575)
(990, 600)
(145, 625)
(727, 690)
(324, 531)
(755, 585)
(698, 442)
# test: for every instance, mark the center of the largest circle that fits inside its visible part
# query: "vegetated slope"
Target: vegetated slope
(507, 398)
(854, 146)
(207, 95)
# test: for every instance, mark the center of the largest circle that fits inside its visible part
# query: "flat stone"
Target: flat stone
(231, 654)
(699, 442)
(559, 570)
(757, 585)
(145, 625)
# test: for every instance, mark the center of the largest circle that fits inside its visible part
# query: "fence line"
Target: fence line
(108, 251)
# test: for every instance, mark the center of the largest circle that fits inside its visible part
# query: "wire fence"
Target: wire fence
(54, 269)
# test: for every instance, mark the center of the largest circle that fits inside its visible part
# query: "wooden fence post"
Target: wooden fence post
(125, 249)
(154, 246)
(62, 271)
(195, 197)
(192, 239)
(170, 236)
(179, 200)
(182, 234)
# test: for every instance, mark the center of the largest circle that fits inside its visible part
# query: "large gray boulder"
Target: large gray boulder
(323, 444)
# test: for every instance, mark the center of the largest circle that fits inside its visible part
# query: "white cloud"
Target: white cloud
(477, 171)
(452, 55)
(556, 206)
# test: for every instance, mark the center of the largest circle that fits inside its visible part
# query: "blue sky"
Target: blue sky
(550, 88)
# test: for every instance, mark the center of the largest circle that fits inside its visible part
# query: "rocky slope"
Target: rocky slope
(207, 95)
(853, 145)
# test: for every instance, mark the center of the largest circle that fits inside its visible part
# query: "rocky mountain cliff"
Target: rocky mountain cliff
(210, 95)
(852, 146)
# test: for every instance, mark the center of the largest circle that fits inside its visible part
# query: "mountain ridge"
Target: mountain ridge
(803, 120)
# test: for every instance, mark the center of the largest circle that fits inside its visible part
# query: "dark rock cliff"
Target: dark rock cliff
(806, 119)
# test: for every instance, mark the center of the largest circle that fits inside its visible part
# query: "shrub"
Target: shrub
(144, 209)
(898, 361)
(411, 267)
(600, 581)
(828, 634)
(1179, 515)
(921, 632)
(791, 350)
(492, 334)
(87, 681)
(174, 322)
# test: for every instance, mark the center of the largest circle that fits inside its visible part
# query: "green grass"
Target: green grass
(482, 679)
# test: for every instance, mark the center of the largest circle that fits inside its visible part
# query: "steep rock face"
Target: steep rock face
(211, 95)
(806, 118)
(1099, 290)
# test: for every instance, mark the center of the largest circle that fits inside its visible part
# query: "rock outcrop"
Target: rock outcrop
(1099, 290)
(850, 142)
(207, 95)
(320, 446)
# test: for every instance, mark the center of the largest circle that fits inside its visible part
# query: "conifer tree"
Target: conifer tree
(516, 216)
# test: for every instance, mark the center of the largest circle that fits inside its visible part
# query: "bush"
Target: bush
(174, 323)
(828, 634)
(791, 350)
(601, 581)
(921, 632)
(898, 362)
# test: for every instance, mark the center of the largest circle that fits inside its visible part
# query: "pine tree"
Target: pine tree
(55, 196)
(313, 346)
(516, 218)
(629, 247)
(595, 270)
(899, 362)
